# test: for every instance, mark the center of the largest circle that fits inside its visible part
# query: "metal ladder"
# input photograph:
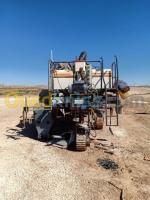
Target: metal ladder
(111, 115)
(111, 118)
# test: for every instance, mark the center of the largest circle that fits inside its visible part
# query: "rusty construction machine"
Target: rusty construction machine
(81, 96)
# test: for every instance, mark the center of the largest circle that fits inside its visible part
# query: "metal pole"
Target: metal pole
(101, 74)
(48, 76)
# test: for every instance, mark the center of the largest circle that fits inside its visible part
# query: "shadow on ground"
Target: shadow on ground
(21, 131)
(59, 141)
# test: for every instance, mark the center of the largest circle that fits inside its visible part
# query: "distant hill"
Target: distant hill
(22, 86)
(144, 86)
(20, 89)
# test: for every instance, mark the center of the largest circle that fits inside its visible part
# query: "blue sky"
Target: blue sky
(29, 29)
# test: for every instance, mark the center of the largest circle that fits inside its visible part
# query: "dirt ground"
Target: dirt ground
(30, 169)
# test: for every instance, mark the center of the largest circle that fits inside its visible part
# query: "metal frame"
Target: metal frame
(112, 85)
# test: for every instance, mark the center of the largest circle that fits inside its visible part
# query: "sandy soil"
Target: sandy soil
(29, 169)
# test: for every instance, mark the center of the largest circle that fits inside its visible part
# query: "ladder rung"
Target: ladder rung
(111, 116)
(111, 125)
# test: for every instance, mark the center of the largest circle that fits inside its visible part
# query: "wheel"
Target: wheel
(99, 123)
(96, 120)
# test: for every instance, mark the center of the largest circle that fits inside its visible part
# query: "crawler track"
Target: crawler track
(81, 142)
